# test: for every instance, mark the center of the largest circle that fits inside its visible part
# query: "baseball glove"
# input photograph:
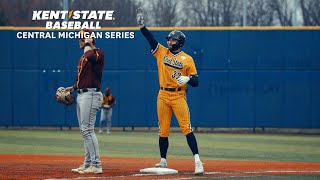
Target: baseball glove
(63, 96)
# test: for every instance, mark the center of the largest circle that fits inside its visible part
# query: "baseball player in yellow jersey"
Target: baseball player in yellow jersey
(175, 70)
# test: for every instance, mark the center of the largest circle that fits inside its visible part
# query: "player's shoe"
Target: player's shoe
(100, 131)
(92, 170)
(161, 165)
(80, 168)
(198, 168)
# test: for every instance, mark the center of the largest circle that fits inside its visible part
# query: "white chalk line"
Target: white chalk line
(206, 173)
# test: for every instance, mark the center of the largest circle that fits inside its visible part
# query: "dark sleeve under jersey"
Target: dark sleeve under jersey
(194, 81)
(152, 41)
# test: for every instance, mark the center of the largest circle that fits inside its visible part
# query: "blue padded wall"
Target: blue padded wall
(248, 78)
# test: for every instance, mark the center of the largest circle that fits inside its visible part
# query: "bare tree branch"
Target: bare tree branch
(212, 12)
(125, 10)
(19, 12)
(162, 13)
(174, 12)
(284, 13)
(310, 12)
(259, 13)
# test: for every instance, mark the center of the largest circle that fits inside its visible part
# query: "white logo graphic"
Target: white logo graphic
(72, 19)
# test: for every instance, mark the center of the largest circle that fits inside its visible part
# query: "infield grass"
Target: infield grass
(305, 148)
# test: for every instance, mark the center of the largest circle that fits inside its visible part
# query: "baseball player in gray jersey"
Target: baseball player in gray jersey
(89, 101)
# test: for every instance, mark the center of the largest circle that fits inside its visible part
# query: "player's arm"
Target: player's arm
(113, 102)
(89, 52)
(192, 77)
(71, 88)
(92, 55)
(152, 41)
(88, 45)
(146, 33)
(194, 80)
(104, 102)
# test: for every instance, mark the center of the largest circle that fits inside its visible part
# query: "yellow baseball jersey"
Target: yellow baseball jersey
(171, 66)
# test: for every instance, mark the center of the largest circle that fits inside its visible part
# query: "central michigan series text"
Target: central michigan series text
(74, 35)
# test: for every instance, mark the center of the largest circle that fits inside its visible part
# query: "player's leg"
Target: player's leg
(181, 111)
(89, 105)
(164, 117)
(192, 142)
(109, 119)
(102, 119)
(87, 161)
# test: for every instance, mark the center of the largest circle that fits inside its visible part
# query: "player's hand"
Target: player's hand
(183, 79)
(71, 89)
(140, 19)
(88, 40)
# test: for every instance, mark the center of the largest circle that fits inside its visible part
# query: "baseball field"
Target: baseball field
(50, 154)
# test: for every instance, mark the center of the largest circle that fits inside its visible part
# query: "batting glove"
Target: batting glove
(183, 79)
(140, 19)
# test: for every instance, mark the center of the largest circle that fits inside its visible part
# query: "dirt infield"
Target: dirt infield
(15, 166)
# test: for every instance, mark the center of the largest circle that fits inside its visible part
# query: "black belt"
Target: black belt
(171, 89)
(87, 89)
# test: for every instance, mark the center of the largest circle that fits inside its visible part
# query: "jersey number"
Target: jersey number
(176, 74)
